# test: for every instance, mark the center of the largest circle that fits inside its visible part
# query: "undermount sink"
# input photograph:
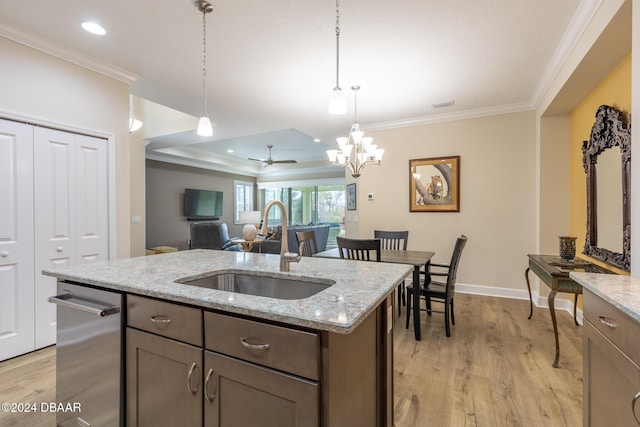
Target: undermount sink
(259, 285)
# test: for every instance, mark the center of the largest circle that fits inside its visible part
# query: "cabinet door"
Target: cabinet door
(164, 381)
(16, 240)
(611, 381)
(240, 394)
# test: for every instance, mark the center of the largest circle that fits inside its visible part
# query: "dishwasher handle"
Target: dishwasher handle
(64, 300)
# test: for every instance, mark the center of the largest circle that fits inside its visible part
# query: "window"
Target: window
(243, 199)
(306, 204)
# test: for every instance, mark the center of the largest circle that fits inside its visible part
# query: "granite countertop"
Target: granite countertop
(360, 286)
(622, 292)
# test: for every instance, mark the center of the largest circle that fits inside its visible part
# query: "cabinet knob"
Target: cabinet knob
(4, 254)
(59, 249)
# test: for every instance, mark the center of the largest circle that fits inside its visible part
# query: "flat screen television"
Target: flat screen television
(202, 204)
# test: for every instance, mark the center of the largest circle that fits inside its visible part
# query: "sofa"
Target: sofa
(272, 242)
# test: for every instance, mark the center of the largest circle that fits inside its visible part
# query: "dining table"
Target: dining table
(417, 259)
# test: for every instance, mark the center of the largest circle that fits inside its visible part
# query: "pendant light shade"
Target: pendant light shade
(204, 125)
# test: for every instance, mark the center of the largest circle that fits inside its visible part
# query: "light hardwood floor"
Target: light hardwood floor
(495, 370)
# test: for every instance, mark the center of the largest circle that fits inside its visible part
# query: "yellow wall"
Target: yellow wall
(613, 90)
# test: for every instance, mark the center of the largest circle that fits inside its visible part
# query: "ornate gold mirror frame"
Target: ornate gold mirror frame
(611, 129)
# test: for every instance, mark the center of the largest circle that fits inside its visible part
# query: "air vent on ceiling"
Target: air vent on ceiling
(443, 104)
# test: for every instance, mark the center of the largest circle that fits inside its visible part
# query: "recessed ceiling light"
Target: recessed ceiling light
(94, 28)
(229, 150)
(316, 140)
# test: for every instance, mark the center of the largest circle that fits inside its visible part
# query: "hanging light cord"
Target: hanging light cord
(204, 61)
(337, 45)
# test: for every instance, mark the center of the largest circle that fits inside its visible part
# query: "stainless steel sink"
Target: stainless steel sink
(260, 285)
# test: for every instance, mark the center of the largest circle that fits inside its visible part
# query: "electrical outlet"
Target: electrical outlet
(370, 196)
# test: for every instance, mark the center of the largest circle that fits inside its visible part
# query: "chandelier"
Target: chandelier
(204, 125)
(355, 151)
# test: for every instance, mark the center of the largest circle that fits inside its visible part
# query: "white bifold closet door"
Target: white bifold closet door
(71, 213)
(17, 291)
(59, 203)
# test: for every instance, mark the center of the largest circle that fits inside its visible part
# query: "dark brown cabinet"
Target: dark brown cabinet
(164, 381)
(238, 394)
(611, 365)
(186, 366)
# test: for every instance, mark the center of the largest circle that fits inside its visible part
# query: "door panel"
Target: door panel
(91, 201)
(54, 157)
(16, 239)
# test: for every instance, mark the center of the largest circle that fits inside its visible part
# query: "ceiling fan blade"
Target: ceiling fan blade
(285, 161)
(258, 160)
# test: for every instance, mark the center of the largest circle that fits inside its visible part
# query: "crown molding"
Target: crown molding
(68, 55)
(449, 117)
(584, 14)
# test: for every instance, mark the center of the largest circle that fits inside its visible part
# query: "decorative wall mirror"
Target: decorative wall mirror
(608, 152)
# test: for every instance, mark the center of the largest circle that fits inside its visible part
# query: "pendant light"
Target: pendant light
(204, 125)
(355, 151)
(337, 102)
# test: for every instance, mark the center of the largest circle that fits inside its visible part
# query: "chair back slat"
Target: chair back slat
(455, 261)
(310, 246)
(359, 249)
(396, 240)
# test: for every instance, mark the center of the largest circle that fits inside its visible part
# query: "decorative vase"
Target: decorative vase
(249, 232)
(567, 248)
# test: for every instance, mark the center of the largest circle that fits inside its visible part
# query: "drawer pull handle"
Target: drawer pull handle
(161, 320)
(633, 406)
(210, 374)
(605, 322)
(254, 346)
(189, 378)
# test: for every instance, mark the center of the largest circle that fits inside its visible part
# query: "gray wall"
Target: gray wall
(165, 182)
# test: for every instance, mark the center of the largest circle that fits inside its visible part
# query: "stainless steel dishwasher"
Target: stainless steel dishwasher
(89, 374)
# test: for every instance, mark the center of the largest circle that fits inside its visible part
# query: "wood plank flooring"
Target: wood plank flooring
(495, 370)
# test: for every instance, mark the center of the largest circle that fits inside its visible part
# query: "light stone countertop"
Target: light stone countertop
(621, 291)
(360, 286)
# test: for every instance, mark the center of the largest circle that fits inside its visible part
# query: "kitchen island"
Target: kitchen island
(324, 360)
(611, 354)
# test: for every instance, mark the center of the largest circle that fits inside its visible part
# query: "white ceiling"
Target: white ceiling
(271, 64)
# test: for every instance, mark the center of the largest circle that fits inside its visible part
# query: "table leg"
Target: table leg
(526, 276)
(552, 310)
(416, 301)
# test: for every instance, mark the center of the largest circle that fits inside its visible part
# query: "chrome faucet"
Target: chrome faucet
(285, 256)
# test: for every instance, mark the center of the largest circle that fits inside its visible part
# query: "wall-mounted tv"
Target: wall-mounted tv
(202, 204)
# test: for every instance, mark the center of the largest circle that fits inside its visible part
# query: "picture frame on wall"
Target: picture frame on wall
(434, 184)
(351, 197)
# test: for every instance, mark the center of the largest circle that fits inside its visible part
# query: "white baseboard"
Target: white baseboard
(560, 303)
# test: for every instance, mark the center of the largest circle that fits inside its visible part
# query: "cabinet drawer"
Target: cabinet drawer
(285, 349)
(619, 328)
(166, 319)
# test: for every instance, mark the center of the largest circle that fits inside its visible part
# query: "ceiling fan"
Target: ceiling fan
(270, 161)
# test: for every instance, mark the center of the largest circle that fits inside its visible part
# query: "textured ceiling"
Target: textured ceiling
(271, 64)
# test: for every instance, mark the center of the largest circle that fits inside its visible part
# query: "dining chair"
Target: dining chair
(440, 291)
(395, 240)
(359, 249)
(310, 245)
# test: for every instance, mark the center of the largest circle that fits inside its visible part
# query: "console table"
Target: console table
(554, 272)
